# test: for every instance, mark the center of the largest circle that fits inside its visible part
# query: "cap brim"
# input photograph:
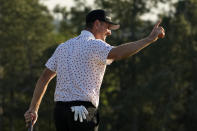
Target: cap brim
(113, 26)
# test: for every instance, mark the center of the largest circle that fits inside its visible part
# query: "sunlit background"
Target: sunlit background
(154, 90)
(161, 7)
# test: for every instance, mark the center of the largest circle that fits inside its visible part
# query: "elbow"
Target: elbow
(47, 75)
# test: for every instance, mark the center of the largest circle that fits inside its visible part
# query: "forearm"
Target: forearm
(132, 48)
(40, 89)
(38, 94)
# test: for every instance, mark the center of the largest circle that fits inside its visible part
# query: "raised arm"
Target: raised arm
(41, 86)
(132, 48)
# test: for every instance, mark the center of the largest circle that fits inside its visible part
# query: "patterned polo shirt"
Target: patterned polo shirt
(80, 65)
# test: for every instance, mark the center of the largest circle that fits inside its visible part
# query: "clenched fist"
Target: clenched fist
(30, 117)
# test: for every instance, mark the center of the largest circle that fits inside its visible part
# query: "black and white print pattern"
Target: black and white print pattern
(80, 65)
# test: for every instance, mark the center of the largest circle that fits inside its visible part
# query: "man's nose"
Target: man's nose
(108, 32)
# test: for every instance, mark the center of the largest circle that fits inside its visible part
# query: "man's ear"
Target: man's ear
(97, 24)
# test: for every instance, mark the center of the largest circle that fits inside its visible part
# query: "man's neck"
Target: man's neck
(96, 35)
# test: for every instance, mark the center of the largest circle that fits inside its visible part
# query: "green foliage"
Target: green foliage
(25, 32)
(151, 91)
(155, 85)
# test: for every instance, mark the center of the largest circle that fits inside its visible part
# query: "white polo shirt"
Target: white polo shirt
(80, 65)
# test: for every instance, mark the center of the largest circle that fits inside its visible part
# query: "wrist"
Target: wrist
(33, 109)
(151, 39)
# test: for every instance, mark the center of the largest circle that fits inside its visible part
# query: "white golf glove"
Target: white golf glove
(80, 111)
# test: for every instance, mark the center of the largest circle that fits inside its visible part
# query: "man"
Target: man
(79, 64)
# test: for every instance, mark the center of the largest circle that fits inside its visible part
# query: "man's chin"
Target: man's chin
(104, 38)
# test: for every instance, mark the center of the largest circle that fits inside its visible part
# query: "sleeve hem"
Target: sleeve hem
(108, 61)
(50, 68)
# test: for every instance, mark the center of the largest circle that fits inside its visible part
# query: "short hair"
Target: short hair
(89, 25)
(100, 15)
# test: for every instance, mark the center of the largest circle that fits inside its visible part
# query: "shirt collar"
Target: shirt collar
(87, 33)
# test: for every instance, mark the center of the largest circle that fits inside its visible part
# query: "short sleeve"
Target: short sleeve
(100, 52)
(52, 61)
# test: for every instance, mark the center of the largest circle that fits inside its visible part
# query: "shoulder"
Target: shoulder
(65, 44)
(59, 47)
(98, 43)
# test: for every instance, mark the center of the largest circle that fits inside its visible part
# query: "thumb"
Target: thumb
(33, 121)
(34, 118)
(158, 23)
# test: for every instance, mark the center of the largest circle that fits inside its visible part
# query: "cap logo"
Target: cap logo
(109, 18)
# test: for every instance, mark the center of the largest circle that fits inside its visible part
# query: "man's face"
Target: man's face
(103, 30)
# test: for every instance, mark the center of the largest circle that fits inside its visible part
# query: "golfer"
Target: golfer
(79, 65)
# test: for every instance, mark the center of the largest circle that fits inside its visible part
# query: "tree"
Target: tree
(153, 90)
(25, 32)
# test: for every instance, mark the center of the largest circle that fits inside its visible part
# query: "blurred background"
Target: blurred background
(154, 90)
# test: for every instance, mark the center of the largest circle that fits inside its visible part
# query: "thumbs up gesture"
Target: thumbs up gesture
(157, 32)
